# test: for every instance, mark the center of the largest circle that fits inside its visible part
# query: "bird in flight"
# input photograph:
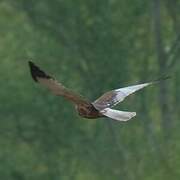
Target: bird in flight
(101, 107)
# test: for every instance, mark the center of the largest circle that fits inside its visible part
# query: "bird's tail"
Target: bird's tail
(118, 115)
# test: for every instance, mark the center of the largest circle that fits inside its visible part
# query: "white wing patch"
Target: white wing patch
(118, 115)
(112, 98)
(126, 91)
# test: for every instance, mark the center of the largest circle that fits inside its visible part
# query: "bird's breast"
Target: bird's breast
(88, 111)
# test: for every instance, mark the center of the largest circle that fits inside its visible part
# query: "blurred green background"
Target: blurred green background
(90, 46)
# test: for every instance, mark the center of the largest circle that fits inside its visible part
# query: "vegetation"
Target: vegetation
(91, 47)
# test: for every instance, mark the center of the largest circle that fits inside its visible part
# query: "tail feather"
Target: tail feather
(118, 115)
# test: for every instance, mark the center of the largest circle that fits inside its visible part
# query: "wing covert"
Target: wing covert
(54, 86)
(114, 97)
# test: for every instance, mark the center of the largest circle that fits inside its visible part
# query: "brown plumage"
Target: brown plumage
(99, 108)
(84, 107)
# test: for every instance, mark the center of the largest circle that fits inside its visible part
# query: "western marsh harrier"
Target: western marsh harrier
(101, 107)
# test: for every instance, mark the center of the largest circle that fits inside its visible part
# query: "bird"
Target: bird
(101, 107)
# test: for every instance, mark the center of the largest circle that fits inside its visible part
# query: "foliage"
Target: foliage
(91, 47)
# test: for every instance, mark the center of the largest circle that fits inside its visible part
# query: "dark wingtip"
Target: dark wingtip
(162, 79)
(37, 72)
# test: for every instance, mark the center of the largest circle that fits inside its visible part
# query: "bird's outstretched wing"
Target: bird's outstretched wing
(118, 115)
(113, 97)
(57, 88)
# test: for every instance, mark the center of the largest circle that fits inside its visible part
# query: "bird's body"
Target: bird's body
(88, 111)
(101, 107)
